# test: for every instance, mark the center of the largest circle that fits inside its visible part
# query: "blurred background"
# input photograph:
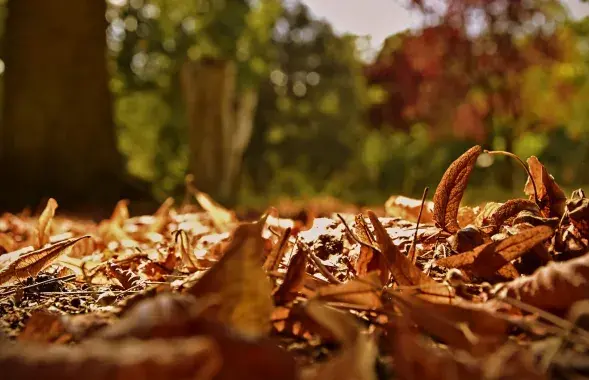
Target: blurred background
(263, 100)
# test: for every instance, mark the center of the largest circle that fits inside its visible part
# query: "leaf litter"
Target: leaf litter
(429, 289)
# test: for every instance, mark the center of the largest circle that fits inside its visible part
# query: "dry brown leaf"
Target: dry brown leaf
(418, 359)
(238, 278)
(550, 196)
(278, 251)
(486, 259)
(126, 278)
(44, 226)
(162, 216)
(178, 359)
(404, 272)
(368, 259)
(555, 286)
(45, 327)
(30, 264)
(363, 292)
(408, 209)
(464, 326)
(112, 228)
(356, 361)
(451, 188)
(7, 243)
(294, 278)
(183, 246)
(170, 316)
(509, 210)
(578, 212)
(223, 219)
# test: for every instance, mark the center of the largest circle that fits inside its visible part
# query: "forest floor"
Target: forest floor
(416, 290)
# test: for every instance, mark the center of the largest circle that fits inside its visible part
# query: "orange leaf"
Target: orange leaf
(240, 281)
(552, 198)
(294, 278)
(555, 286)
(451, 188)
(275, 257)
(44, 226)
(223, 219)
(364, 291)
(487, 258)
(30, 264)
(404, 272)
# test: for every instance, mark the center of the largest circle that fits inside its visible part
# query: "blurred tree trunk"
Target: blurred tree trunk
(57, 137)
(220, 124)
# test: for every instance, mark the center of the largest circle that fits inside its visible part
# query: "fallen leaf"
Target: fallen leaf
(175, 359)
(30, 264)
(278, 251)
(404, 272)
(7, 243)
(223, 219)
(182, 245)
(408, 209)
(463, 326)
(45, 327)
(162, 216)
(550, 196)
(172, 316)
(356, 360)
(451, 188)
(578, 211)
(126, 278)
(417, 358)
(555, 286)
(486, 259)
(44, 226)
(509, 210)
(238, 278)
(294, 278)
(362, 292)
(112, 228)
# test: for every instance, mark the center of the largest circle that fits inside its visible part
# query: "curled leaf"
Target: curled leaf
(550, 196)
(509, 210)
(451, 188)
(44, 226)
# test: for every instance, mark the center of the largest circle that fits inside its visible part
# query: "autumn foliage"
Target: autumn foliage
(494, 291)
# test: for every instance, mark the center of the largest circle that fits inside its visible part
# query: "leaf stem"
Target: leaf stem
(523, 164)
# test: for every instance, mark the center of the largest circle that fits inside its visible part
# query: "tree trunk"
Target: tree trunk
(220, 124)
(57, 138)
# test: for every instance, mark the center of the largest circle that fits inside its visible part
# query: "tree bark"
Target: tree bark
(220, 124)
(57, 137)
